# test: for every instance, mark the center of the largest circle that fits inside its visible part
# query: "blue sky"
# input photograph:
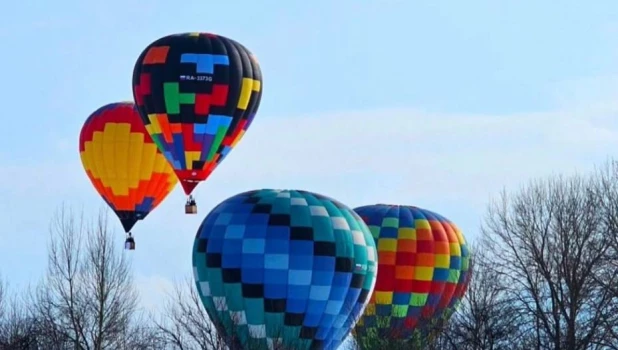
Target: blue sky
(433, 103)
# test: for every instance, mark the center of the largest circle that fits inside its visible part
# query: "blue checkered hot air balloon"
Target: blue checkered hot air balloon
(284, 266)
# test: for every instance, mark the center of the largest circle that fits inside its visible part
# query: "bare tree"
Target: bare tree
(18, 329)
(87, 300)
(550, 247)
(185, 325)
(143, 334)
(607, 190)
(487, 318)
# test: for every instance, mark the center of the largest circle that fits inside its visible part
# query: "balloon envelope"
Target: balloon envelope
(284, 264)
(123, 163)
(423, 270)
(197, 94)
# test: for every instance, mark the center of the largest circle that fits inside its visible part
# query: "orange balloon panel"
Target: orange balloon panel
(123, 163)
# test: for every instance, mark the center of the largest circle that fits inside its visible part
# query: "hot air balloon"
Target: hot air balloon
(197, 94)
(284, 267)
(123, 164)
(423, 271)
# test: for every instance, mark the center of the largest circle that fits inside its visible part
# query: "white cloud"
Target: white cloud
(587, 94)
(451, 164)
(399, 154)
(352, 155)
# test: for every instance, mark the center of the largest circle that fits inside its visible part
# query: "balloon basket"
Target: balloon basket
(129, 243)
(191, 209)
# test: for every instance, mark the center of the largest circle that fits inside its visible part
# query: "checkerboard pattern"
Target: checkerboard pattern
(197, 94)
(423, 263)
(284, 267)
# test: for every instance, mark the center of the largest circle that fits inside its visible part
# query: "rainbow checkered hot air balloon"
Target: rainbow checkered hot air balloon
(423, 271)
(123, 163)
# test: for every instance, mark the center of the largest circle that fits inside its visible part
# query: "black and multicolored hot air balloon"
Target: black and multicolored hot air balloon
(197, 94)
(123, 164)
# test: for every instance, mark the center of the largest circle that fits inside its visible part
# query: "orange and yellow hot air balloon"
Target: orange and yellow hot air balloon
(123, 163)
